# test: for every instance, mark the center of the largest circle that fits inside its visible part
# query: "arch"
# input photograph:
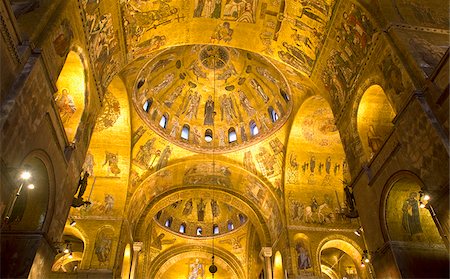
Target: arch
(71, 98)
(230, 225)
(182, 228)
(70, 251)
(302, 253)
(374, 119)
(208, 135)
(126, 262)
(347, 246)
(224, 260)
(273, 114)
(33, 208)
(232, 137)
(168, 222)
(164, 120)
(278, 270)
(253, 128)
(216, 229)
(185, 132)
(199, 231)
(401, 215)
(147, 105)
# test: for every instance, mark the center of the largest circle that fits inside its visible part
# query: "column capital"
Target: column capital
(266, 252)
(137, 246)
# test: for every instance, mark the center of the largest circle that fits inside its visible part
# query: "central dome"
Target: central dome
(204, 96)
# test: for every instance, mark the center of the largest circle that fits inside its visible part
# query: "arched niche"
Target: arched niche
(189, 260)
(315, 167)
(102, 251)
(339, 257)
(278, 270)
(70, 97)
(126, 262)
(405, 220)
(374, 119)
(70, 251)
(302, 254)
(34, 202)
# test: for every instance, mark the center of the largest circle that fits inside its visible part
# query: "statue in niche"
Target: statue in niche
(201, 210)
(227, 109)
(175, 94)
(191, 106)
(215, 208)
(375, 141)
(66, 105)
(411, 218)
(209, 111)
(245, 103)
(188, 207)
(258, 88)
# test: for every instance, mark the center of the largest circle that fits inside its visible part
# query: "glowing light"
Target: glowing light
(30, 186)
(70, 256)
(25, 175)
(426, 197)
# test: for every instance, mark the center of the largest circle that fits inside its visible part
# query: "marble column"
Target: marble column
(266, 255)
(137, 247)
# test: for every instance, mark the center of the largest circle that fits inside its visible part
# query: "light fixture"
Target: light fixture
(25, 175)
(362, 264)
(422, 205)
(426, 197)
(359, 231)
(70, 255)
(73, 223)
(30, 186)
(365, 257)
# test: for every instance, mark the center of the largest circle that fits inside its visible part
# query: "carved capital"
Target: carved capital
(137, 246)
(266, 252)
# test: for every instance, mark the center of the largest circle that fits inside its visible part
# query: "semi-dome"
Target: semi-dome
(205, 96)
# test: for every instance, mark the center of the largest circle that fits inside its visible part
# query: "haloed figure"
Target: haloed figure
(411, 217)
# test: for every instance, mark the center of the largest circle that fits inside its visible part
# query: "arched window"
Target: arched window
(168, 222)
(147, 104)
(273, 114)
(241, 218)
(253, 128)
(140, 83)
(208, 135)
(182, 228)
(199, 230)
(230, 225)
(158, 215)
(185, 132)
(232, 137)
(164, 120)
(215, 229)
(284, 95)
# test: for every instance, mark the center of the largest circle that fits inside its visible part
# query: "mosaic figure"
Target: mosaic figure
(258, 88)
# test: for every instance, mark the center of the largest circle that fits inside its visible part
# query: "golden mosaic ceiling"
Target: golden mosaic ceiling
(202, 97)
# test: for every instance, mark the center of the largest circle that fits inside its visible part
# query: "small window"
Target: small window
(199, 231)
(284, 95)
(208, 135)
(168, 222)
(273, 114)
(182, 228)
(140, 83)
(232, 137)
(164, 120)
(158, 215)
(241, 218)
(146, 106)
(230, 225)
(185, 132)
(215, 229)
(253, 128)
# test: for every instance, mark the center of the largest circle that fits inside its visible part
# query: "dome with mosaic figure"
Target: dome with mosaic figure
(200, 217)
(202, 97)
